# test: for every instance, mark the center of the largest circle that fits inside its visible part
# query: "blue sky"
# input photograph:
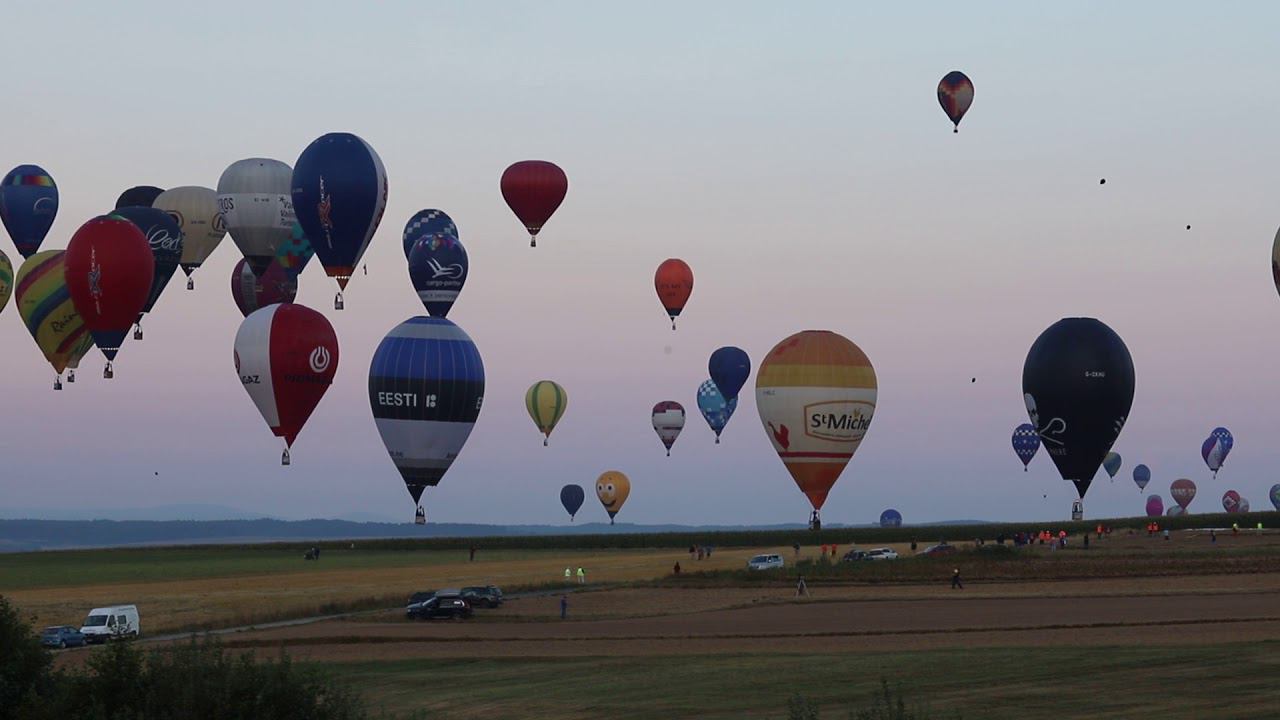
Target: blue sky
(793, 154)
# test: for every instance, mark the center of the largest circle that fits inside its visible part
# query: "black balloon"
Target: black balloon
(1078, 386)
(140, 196)
(571, 496)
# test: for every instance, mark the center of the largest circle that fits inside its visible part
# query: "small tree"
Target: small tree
(24, 664)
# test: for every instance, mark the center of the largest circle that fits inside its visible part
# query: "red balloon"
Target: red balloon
(277, 285)
(674, 283)
(534, 189)
(109, 267)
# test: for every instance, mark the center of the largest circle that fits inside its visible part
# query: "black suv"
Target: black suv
(482, 596)
(447, 606)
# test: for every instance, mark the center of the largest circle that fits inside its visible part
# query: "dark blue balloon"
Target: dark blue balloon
(890, 518)
(438, 269)
(140, 196)
(729, 368)
(1026, 442)
(714, 408)
(571, 497)
(426, 223)
(339, 193)
(165, 238)
(28, 204)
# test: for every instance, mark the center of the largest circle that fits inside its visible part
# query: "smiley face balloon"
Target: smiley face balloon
(612, 487)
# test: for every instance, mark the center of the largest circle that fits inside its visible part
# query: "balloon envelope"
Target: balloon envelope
(295, 253)
(1077, 383)
(571, 497)
(252, 293)
(6, 279)
(1111, 463)
(1231, 501)
(816, 394)
(438, 268)
(139, 196)
(339, 193)
(195, 209)
(1216, 447)
(109, 269)
(668, 421)
(44, 302)
(729, 368)
(955, 95)
(714, 408)
(255, 197)
(425, 224)
(1275, 495)
(1182, 491)
(546, 402)
(28, 205)
(1141, 476)
(674, 283)
(1025, 443)
(1155, 506)
(534, 190)
(612, 488)
(1175, 511)
(164, 237)
(286, 357)
(426, 386)
(890, 518)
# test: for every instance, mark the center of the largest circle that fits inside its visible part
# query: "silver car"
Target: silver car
(765, 562)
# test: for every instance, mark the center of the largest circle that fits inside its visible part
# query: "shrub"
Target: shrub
(24, 665)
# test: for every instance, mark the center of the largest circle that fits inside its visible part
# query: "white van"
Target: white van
(111, 623)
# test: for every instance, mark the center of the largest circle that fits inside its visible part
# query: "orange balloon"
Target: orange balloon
(674, 283)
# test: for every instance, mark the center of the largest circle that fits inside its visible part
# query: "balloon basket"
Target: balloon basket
(1077, 510)
(71, 376)
(533, 241)
(420, 516)
(337, 302)
(137, 333)
(717, 439)
(191, 283)
(365, 267)
(108, 372)
(668, 453)
(57, 383)
(284, 457)
(544, 442)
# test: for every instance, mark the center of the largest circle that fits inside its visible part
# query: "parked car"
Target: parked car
(420, 596)
(882, 554)
(939, 549)
(482, 596)
(452, 607)
(111, 623)
(855, 556)
(62, 636)
(765, 562)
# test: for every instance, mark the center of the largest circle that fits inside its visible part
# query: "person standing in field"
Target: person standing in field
(1213, 535)
(676, 570)
(801, 588)
(955, 580)
(473, 553)
(568, 575)
(582, 576)
(1166, 533)
(564, 606)
(796, 547)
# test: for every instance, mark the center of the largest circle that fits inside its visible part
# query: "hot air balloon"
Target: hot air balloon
(295, 253)
(255, 197)
(668, 421)
(714, 408)
(1111, 463)
(729, 368)
(955, 95)
(286, 356)
(1215, 448)
(1243, 507)
(1077, 383)
(339, 193)
(613, 488)
(1175, 511)
(109, 269)
(425, 224)
(1155, 506)
(890, 518)
(140, 196)
(1231, 501)
(816, 393)
(438, 269)
(164, 237)
(195, 209)
(1275, 261)
(44, 302)
(674, 283)
(6, 280)
(1182, 491)
(533, 190)
(546, 402)
(252, 293)
(1275, 496)
(571, 497)
(28, 205)
(1141, 476)
(1025, 443)
(426, 386)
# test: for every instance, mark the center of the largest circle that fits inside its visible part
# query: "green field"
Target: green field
(1169, 683)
